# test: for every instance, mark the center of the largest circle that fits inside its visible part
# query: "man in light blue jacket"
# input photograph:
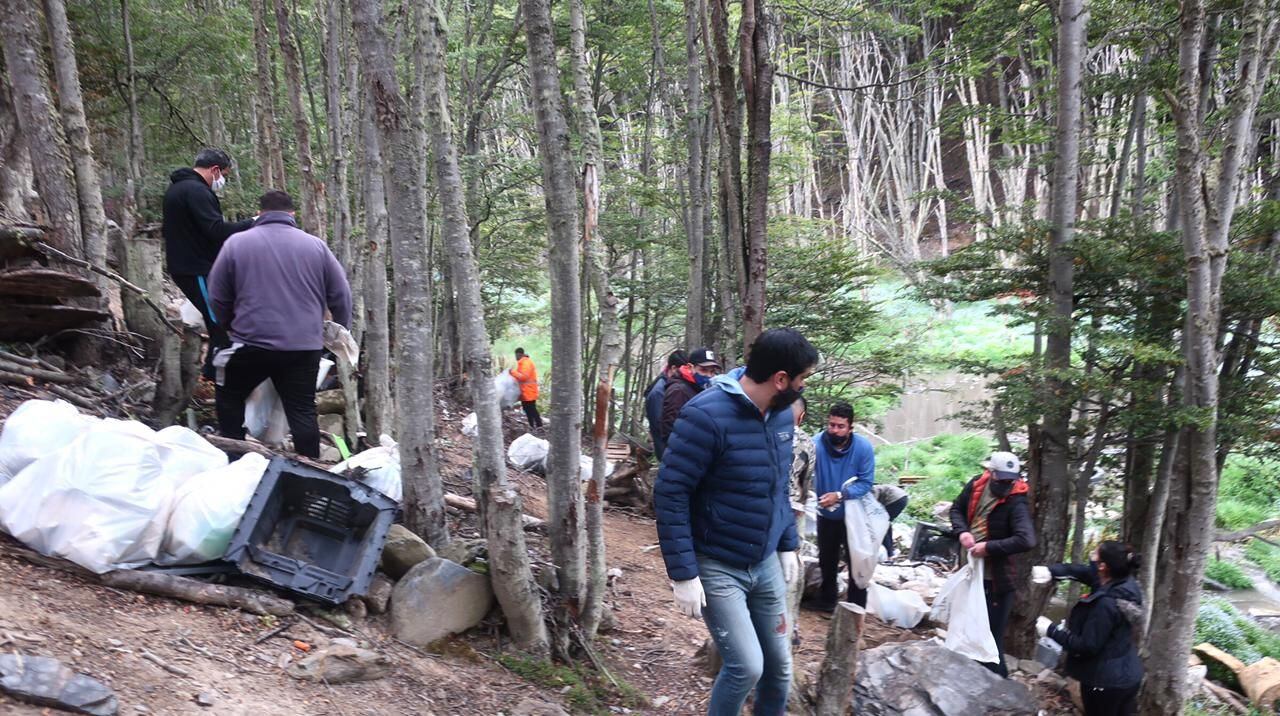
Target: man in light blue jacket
(845, 470)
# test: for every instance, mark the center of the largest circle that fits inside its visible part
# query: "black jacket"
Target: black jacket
(679, 391)
(1102, 631)
(1010, 531)
(194, 228)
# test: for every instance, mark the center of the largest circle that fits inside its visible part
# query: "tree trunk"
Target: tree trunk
(835, 678)
(313, 211)
(564, 492)
(51, 163)
(508, 555)
(379, 416)
(93, 218)
(728, 120)
(610, 334)
(1207, 197)
(423, 491)
(757, 87)
(271, 154)
(695, 121)
(134, 189)
(1052, 496)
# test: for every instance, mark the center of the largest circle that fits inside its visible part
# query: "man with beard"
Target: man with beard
(992, 518)
(845, 470)
(725, 525)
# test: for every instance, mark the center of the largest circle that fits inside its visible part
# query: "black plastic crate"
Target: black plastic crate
(312, 532)
(934, 543)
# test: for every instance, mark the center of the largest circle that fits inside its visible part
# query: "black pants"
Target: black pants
(294, 374)
(196, 291)
(832, 544)
(531, 412)
(1109, 702)
(894, 509)
(999, 607)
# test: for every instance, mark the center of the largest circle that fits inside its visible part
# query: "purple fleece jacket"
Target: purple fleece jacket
(271, 285)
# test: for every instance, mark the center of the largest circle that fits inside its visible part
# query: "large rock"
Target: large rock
(46, 682)
(464, 550)
(403, 551)
(438, 598)
(921, 678)
(378, 598)
(341, 664)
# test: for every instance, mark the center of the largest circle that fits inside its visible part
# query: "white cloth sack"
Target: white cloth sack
(507, 389)
(340, 342)
(206, 510)
(962, 606)
(897, 607)
(264, 416)
(103, 501)
(865, 522)
(38, 428)
(380, 468)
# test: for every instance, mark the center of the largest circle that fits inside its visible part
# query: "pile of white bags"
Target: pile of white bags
(114, 494)
(380, 468)
(962, 606)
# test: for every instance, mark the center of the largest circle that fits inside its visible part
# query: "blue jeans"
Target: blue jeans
(746, 614)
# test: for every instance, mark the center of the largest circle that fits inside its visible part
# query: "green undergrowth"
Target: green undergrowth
(946, 463)
(584, 690)
(1249, 492)
(1228, 574)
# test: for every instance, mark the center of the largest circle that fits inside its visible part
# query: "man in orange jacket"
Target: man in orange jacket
(526, 374)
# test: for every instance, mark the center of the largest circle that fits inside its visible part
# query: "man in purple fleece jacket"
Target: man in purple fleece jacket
(270, 286)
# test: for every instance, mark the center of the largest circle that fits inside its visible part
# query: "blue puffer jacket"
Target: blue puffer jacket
(722, 491)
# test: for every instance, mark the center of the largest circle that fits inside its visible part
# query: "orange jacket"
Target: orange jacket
(527, 376)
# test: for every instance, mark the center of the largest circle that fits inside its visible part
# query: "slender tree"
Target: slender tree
(313, 210)
(695, 124)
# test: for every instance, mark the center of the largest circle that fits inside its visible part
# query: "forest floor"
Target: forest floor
(218, 654)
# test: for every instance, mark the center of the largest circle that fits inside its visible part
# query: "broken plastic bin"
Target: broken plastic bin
(312, 532)
(934, 541)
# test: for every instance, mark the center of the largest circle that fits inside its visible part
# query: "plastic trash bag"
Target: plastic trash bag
(190, 315)
(470, 425)
(340, 342)
(962, 606)
(528, 452)
(103, 500)
(206, 510)
(865, 522)
(898, 607)
(507, 388)
(264, 416)
(38, 428)
(378, 468)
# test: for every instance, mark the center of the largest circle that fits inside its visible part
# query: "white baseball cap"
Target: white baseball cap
(1004, 465)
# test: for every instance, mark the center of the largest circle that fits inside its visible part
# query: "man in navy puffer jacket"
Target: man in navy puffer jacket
(724, 518)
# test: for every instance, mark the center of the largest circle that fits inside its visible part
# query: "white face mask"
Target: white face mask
(219, 183)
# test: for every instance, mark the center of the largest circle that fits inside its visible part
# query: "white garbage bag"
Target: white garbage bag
(190, 315)
(865, 522)
(528, 452)
(264, 416)
(38, 428)
(507, 388)
(962, 606)
(102, 501)
(340, 342)
(470, 425)
(380, 468)
(206, 510)
(897, 607)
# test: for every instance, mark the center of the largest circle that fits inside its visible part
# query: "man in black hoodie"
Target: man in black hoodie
(194, 231)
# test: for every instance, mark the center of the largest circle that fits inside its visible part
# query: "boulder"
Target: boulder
(534, 707)
(438, 598)
(341, 664)
(379, 594)
(889, 683)
(464, 551)
(402, 551)
(47, 682)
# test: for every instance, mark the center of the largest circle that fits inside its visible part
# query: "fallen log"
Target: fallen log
(1249, 532)
(167, 585)
(124, 283)
(48, 376)
(468, 504)
(241, 447)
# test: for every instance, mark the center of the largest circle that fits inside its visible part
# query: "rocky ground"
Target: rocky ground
(168, 657)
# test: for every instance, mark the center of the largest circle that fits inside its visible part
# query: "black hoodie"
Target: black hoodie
(1102, 632)
(194, 228)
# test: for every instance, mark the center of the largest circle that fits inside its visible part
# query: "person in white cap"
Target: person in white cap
(992, 518)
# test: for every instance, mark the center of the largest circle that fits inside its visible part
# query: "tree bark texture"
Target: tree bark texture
(757, 88)
(134, 189)
(423, 490)
(379, 416)
(835, 678)
(695, 124)
(41, 129)
(313, 210)
(564, 492)
(728, 119)
(510, 571)
(1052, 496)
(270, 153)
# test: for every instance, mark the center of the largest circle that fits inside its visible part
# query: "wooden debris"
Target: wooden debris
(28, 321)
(835, 679)
(46, 282)
(175, 670)
(132, 287)
(468, 504)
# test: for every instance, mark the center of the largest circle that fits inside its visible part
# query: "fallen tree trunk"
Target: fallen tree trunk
(1251, 531)
(469, 504)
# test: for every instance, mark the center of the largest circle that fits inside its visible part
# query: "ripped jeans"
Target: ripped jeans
(746, 614)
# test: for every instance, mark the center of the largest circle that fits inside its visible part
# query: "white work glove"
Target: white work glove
(790, 566)
(689, 597)
(1042, 625)
(1041, 575)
